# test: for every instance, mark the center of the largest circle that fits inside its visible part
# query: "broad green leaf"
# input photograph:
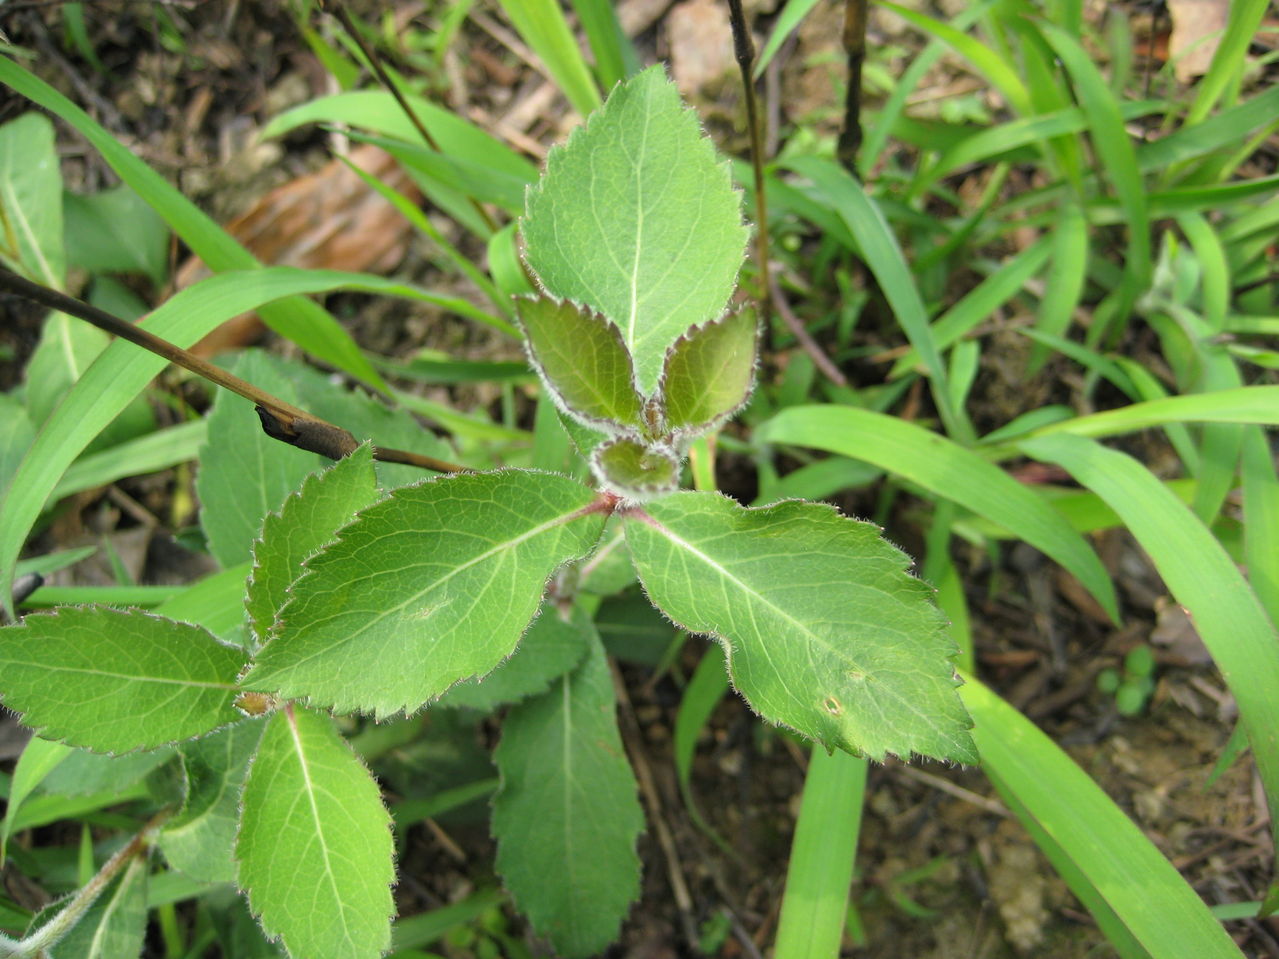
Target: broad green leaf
(823, 629)
(243, 473)
(1116, 859)
(433, 585)
(116, 232)
(31, 200)
(39, 758)
(637, 218)
(307, 521)
(314, 846)
(566, 817)
(947, 470)
(635, 469)
(200, 839)
(115, 925)
(582, 360)
(553, 645)
(710, 372)
(116, 680)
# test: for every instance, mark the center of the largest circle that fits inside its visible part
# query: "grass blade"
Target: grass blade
(615, 57)
(1117, 860)
(822, 856)
(542, 25)
(1201, 576)
(303, 322)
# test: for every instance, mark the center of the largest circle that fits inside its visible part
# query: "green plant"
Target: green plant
(1132, 686)
(1072, 266)
(365, 602)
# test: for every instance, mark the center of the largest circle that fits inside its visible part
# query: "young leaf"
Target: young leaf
(566, 817)
(309, 519)
(710, 372)
(823, 629)
(582, 360)
(117, 680)
(200, 839)
(553, 645)
(314, 846)
(635, 470)
(431, 586)
(637, 218)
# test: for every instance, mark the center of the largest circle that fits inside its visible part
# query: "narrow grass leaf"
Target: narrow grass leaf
(884, 258)
(200, 839)
(1243, 404)
(308, 520)
(1201, 576)
(948, 470)
(615, 57)
(542, 25)
(637, 218)
(785, 24)
(820, 871)
(839, 643)
(160, 450)
(449, 575)
(986, 61)
(1108, 849)
(1229, 62)
(1117, 156)
(39, 758)
(304, 322)
(114, 680)
(567, 809)
(312, 812)
(1261, 520)
(1065, 285)
(704, 691)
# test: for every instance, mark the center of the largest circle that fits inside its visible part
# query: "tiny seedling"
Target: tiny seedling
(465, 587)
(1132, 686)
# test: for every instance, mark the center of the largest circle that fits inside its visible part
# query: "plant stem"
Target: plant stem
(57, 927)
(280, 420)
(850, 138)
(744, 51)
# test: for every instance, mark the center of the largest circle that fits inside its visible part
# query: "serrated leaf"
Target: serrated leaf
(243, 473)
(433, 585)
(566, 817)
(634, 469)
(637, 218)
(823, 629)
(314, 848)
(582, 360)
(199, 841)
(115, 926)
(553, 645)
(117, 680)
(710, 372)
(308, 519)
